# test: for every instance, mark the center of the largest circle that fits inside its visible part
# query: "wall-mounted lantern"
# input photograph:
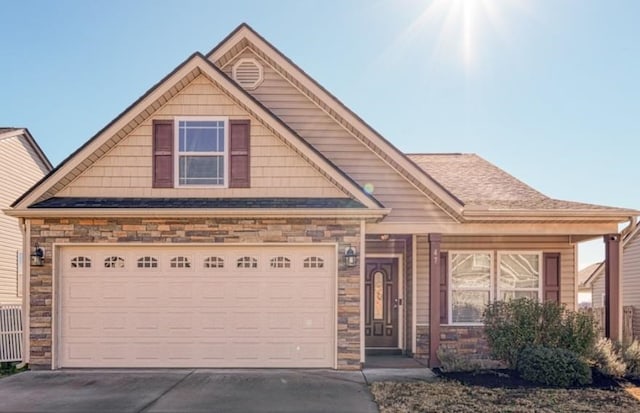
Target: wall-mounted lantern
(37, 258)
(350, 256)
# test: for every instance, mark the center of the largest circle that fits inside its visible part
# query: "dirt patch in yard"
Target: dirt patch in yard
(498, 391)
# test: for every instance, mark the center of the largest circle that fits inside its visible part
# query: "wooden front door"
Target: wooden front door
(381, 302)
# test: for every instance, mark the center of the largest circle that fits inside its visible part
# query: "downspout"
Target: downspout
(363, 254)
(633, 223)
(25, 228)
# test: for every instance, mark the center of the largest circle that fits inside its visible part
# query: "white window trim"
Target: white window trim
(492, 279)
(177, 153)
(540, 273)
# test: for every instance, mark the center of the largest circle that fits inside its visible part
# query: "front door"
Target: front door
(381, 302)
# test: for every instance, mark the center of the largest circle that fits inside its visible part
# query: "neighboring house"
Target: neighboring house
(239, 215)
(630, 276)
(585, 275)
(22, 164)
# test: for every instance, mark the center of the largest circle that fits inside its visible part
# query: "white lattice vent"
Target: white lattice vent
(248, 73)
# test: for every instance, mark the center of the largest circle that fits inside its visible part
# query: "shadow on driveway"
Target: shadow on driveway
(186, 391)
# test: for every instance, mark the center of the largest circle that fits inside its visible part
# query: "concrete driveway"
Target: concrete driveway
(186, 391)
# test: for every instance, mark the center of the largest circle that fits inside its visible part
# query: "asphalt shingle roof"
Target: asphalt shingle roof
(213, 203)
(480, 184)
(4, 129)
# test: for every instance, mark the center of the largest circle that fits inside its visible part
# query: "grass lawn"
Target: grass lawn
(453, 397)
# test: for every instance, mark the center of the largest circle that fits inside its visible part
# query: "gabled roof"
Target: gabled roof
(9, 132)
(485, 188)
(587, 275)
(160, 93)
(244, 36)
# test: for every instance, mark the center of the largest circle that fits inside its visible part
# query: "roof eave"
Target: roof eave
(354, 213)
(620, 215)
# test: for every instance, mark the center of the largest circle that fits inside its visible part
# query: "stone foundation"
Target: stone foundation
(468, 342)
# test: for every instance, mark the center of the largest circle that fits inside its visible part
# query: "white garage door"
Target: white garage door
(217, 306)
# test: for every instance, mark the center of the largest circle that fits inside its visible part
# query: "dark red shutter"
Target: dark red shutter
(162, 153)
(239, 153)
(551, 276)
(444, 293)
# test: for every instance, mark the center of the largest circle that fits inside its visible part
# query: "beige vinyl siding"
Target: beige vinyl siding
(342, 148)
(631, 273)
(20, 168)
(597, 294)
(422, 280)
(498, 244)
(126, 170)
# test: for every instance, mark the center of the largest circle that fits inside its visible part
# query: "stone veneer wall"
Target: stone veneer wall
(466, 341)
(48, 231)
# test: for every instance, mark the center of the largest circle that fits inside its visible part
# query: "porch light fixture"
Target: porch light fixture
(37, 258)
(350, 256)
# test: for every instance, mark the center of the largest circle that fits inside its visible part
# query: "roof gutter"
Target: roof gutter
(621, 215)
(100, 213)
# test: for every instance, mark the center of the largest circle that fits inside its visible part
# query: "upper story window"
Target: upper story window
(201, 156)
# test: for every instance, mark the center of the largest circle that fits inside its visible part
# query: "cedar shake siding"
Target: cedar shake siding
(127, 169)
(340, 145)
(48, 232)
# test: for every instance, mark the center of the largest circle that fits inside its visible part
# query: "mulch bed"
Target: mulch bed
(501, 391)
(509, 379)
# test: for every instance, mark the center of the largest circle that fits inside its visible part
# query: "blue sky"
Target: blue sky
(548, 90)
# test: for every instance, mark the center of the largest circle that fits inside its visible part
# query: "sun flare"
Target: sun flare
(459, 30)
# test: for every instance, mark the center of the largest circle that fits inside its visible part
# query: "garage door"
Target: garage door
(231, 306)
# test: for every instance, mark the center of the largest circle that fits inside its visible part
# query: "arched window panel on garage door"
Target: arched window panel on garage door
(81, 262)
(280, 262)
(114, 261)
(180, 262)
(313, 262)
(214, 262)
(147, 262)
(247, 262)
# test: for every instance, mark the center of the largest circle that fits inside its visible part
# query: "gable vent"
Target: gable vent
(248, 73)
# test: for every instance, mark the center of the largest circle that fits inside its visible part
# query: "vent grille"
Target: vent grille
(248, 73)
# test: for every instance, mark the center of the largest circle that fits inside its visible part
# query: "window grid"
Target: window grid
(114, 262)
(313, 262)
(247, 262)
(280, 262)
(147, 262)
(214, 262)
(516, 265)
(201, 148)
(180, 262)
(476, 264)
(81, 262)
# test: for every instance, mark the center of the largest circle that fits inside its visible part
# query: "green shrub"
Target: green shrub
(553, 367)
(512, 325)
(631, 357)
(607, 359)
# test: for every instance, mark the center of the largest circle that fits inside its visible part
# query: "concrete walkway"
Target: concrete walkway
(395, 368)
(186, 391)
